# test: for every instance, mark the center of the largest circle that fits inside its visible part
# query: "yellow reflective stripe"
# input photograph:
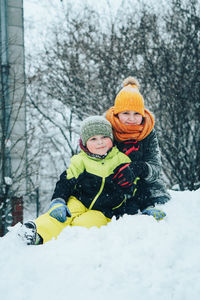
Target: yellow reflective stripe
(101, 188)
(135, 190)
(56, 206)
(120, 203)
(136, 180)
(97, 195)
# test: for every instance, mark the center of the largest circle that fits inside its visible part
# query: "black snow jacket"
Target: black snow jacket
(90, 181)
(150, 190)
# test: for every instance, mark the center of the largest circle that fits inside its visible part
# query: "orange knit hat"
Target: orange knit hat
(129, 98)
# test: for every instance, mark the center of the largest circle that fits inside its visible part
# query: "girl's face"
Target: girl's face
(99, 144)
(130, 117)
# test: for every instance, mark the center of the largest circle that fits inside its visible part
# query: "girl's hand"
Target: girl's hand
(158, 214)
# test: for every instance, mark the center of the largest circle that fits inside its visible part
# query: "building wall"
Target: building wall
(12, 112)
(16, 97)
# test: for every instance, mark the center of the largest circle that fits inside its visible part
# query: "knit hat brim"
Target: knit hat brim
(129, 98)
(95, 125)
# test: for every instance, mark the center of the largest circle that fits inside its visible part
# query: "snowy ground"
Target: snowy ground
(135, 257)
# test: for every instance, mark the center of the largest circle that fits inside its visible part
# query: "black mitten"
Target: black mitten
(139, 169)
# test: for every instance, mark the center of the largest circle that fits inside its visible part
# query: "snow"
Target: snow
(135, 257)
(8, 180)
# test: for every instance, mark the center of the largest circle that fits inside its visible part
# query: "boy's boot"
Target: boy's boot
(28, 233)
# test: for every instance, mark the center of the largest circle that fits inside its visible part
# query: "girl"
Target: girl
(134, 133)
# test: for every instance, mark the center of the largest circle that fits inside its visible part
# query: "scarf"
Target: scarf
(128, 132)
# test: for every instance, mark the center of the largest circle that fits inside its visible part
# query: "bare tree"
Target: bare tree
(52, 140)
(172, 75)
(83, 67)
(84, 64)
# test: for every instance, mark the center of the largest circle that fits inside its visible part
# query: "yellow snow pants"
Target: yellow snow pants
(48, 227)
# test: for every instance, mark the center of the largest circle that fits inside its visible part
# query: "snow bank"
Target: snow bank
(135, 257)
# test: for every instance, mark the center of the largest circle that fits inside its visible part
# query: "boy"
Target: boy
(90, 192)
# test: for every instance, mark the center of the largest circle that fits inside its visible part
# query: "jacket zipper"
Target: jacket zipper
(124, 200)
(98, 194)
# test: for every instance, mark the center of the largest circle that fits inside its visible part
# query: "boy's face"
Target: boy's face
(130, 117)
(99, 144)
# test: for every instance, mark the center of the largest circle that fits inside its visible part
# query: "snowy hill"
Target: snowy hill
(135, 257)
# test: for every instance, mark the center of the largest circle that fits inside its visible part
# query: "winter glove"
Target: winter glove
(139, 169)
(123, 176)
(59, 210)
(158, 214)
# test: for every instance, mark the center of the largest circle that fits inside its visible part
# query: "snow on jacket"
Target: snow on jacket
(90, 181)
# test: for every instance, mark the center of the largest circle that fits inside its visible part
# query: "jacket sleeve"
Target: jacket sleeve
(64, 187)
(68, 179)
(152, 157)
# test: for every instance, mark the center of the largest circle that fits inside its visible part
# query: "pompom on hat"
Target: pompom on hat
(95, 125)
(129, 98)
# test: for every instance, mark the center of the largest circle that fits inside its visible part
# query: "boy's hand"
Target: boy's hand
(158, 214)
(59, 210)
(123, 176)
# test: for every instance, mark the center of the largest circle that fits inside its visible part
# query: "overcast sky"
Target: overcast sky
(39, 15)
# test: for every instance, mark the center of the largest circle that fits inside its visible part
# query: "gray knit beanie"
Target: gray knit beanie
(95, 125)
